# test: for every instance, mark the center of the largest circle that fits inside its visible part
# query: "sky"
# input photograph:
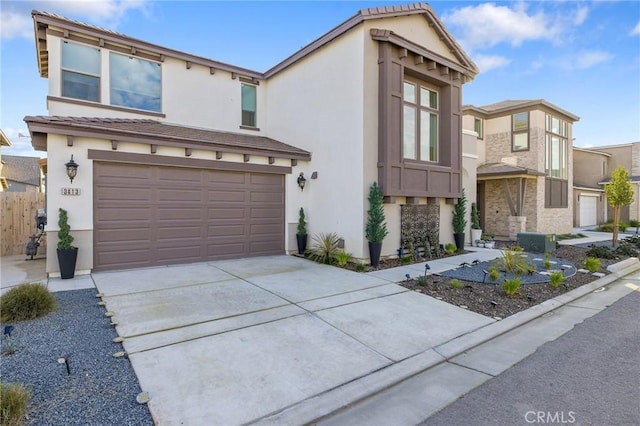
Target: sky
(582, 56)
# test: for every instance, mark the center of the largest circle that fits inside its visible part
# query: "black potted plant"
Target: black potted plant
(301, 234)
(67, 254)
(376, 228)
(459, 221)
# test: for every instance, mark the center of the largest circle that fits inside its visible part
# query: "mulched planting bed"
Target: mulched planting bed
(490, 300)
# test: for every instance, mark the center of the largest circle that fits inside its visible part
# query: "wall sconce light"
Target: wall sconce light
(301, 181)
(72, 169)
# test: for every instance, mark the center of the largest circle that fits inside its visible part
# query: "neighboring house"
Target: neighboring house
(185, 159)
(524, 175)
(592, 169)
(22, 174)
(4, 141)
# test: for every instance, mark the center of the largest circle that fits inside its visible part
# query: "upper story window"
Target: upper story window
(556, 144)
(478, 126)
(520, 132)
(249, 105)
(420, 122)
(135, 83)
(80, 72)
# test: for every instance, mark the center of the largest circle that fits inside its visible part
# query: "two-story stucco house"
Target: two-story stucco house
(184, 159)
(592, 168)
(524, 175)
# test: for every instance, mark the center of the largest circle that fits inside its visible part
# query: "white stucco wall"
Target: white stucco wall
(317, 105)
(190, 97)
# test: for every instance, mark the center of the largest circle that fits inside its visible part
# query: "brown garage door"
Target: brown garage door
(156, 215)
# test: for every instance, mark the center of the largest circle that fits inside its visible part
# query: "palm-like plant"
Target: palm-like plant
(324, 248)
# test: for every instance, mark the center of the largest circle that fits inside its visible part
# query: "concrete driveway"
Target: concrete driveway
(242, 341)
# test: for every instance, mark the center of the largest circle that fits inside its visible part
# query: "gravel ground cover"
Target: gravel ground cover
(99, 390)
(490, 300)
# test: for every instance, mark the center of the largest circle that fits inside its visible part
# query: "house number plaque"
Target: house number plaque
(70, 191)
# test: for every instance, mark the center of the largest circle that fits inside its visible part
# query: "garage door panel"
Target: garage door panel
(224, 177)
(179, 195)
(115, 215)
(153, 215)
(225, 196)
(588, 210)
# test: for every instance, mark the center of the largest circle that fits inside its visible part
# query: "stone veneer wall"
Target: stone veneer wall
(497, 210)
(498, 149)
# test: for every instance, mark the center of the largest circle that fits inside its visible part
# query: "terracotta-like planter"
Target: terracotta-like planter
(67, 262)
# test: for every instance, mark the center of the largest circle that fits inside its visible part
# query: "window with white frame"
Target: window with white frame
(556, 162)
(135, 83)
(420, 122)
(249, 105)
(520, 132)
(80, 72)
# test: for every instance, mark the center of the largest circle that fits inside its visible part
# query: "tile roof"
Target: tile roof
(513, 104)
(153, 130)
(21, 169)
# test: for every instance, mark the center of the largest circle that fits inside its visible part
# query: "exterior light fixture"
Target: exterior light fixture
(72, 169)
(301, 181)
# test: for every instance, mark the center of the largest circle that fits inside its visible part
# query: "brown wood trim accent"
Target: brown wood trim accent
(413, 200)
(389, 200)
(103, 106)
(218, 155)
(148, 49)
(243, 127)
(403, 53)
(432, 200)
(294, 162)
(69, 140)
(163, 160)
(133, 50)
(431, 65)
(188, 64)
(272, 160)
(154, 148)
(451, 201)
(252, 80)
(419, 59)
(187, 152)
(246, 158)
(212, 70)
(114, 145)
(444, 70)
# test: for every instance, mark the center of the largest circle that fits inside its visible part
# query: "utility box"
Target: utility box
(536, 242)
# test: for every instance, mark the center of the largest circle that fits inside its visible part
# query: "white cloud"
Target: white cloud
(488, 24)
(581, 15)
(636, 30)
(15, 17)
(19, 145)
(15, 24)
(586, 60)
(488, 62)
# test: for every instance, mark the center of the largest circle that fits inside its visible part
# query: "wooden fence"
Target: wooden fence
(18, 222)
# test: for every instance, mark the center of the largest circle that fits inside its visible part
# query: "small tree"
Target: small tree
(376, 228)
(302, 224)
(475, 217)
(64, 238)
(619, 193)
(459, 220)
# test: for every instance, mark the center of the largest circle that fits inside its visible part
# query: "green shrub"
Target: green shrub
(634, 224)
(456, 283)
(512, 261)
(65, 239)
(361, 267)
(592, 264)
(406, 259)
(512, 286)
(494, 274)
(601, 252)
(25, 302)
(421, 280)
(626, 249)
(324, 248)
(450, 248)
(547, 264)
(608, 227)
(302, 223)
(13, 404)
(342, 258)
(556, 278)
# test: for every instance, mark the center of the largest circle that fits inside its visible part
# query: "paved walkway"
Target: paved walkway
(282, 340)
